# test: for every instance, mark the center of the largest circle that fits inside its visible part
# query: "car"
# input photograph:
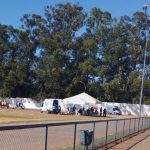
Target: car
(116, 110)
(113, 110)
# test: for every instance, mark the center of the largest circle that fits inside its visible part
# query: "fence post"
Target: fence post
(123, 129)
(142, 124)
(129, 126)
(146, 122)
(46, 135)
(138, 125)
(134, 124)
(116, 130)
(93, 134)
(106, 133)
(74, 141)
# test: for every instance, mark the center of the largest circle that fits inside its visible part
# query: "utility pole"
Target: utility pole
(143, 72)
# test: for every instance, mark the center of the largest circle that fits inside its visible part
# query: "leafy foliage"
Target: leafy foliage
(67, 51)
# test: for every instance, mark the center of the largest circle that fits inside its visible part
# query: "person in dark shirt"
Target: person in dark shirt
(92, 109)
(104, 112)
(100, 111)
(74, 109)
(80, 111)
(59, 109)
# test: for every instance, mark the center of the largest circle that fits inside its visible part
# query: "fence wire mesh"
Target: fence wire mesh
(66, 136)
(22, 139)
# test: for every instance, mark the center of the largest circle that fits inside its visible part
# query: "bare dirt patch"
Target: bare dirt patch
(34, 138)
(8, 116)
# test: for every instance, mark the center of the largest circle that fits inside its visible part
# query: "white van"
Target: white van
(51, 105)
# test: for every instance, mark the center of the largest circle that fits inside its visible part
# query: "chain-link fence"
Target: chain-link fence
(66, 135)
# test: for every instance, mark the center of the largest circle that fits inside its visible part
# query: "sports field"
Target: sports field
(35, 138)
(8, 116)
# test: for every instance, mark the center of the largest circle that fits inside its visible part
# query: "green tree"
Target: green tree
(56, 40)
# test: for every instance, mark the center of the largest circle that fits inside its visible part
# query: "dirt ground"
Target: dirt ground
(34, 138)
(9, 116)
(139, 142)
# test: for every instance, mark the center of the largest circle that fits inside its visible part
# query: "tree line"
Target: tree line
(67, 51)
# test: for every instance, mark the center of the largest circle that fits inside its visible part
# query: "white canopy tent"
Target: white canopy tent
(28, 103)
(82, 99)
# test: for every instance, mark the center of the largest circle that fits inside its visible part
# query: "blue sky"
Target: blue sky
(12, 10)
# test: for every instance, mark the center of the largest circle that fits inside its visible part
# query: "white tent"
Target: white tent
(82, 99)
(28, 103)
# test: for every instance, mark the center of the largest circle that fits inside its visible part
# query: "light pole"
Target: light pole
(143, 72)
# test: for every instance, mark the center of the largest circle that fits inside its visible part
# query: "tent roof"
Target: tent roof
(81, 99)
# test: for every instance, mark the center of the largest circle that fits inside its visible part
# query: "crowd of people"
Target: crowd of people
(4, 104)
(75, 110)
(19, 104)
(91, 111)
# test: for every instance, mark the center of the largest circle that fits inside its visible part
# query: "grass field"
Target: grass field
(8, 116)
(34, 138)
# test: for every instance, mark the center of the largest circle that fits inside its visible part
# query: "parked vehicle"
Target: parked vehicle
(116, 110)
(51, 105)
(113, 110)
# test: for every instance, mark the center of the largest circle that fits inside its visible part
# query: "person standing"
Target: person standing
(100, 111)
(74, 109)
(104, 112)
(59, 109)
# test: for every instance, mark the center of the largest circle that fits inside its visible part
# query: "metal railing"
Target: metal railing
(66, 135)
